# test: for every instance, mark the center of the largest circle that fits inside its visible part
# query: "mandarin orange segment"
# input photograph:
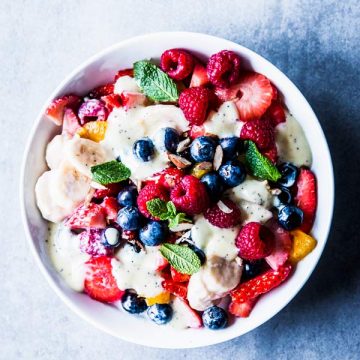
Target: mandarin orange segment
(302, 245)
(93, 130)
(162, 298)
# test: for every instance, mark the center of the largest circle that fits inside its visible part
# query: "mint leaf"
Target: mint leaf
(110, 172)
(157, 208)
(182, 258)
(260, 165)
(171, 208)
(155, 84)
(178, 219)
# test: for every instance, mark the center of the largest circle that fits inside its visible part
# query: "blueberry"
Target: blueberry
(203, 149)
(129, 218)
(110, 237)
(284, 198)
(289, 173)
(167, 139)
(201, 255)
(252, 269)
(290, 217)
(143, 149)
(133, 303)
(213, 184)
(215, 318)
(127, 196)
(153, 233)
(232, 173)
(186, 155)
(160, 313)
(231, 146)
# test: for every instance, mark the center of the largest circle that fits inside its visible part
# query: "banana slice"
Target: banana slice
(49, 209)
(70, 187)
(84, 153)
(220, 275)
(199, 297)
(55, 152)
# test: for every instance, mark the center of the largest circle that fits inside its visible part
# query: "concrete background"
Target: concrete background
(316, 43)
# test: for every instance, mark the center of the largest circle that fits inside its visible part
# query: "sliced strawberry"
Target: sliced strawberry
(124, 72)
(99, 283)
(199, 76)
(306, 198)
(132, 99)
(242, 309)
(196, 131)
(161, 263)
(71, 122)
(282, 247)
(111, 208)
(177, 289)
(275, 92)
(112, 101)
(260, 284)
(87, 216)
(178, 277)
(190, 317)
(111, 190)
(55, 111)
(102, 90)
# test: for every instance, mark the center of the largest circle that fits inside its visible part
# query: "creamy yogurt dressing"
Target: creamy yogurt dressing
(125, 127)
(65, 254)
(291, 143)
(138, 270)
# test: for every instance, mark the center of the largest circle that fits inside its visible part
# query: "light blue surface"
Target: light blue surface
(316, 43)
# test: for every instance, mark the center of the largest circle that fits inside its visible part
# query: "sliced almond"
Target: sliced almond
(218, 157)
(275, 191)
(182, 227)
(179, 161)
(183, 145)
(224, 208)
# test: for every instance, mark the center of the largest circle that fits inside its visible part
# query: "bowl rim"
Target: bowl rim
(31, 137)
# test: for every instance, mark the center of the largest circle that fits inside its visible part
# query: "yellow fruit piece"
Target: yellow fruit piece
(93, 130)
(200, 169)
(162, 298)
(302, 245)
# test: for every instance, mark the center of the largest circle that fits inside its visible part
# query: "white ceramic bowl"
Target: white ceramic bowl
(101, 69)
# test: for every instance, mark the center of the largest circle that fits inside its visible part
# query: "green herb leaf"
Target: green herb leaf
(155, 84)
(182, 258)
(110, 172)
(260, 165)
(178, 219)
(171, 208)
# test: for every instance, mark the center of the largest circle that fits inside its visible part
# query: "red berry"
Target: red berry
(194, 102)
(149, 192)
(124, 72)
(254, 241)
(199, 76)
(260, 131)
(91, 110)
(87, 216)
(132, 99)
(174, 288)
(196, 131)
(190, 196)
(100, 283)
(111, 190)
(271, 154)
(242, 309)
(275, 92)
(90, 243)
(129, 234)
(111, 208)
(55, 111)
(71, 122)
(275, 113)
(102, 90)
(217, 217)
(261, 284)
(112, 101)
(306, 198)
(170, 177)
(177, 63)
(178, 277)
(223, 68)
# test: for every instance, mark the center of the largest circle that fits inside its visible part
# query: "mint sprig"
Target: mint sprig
(182, 258)
(166, 211)
(260, 165)
(110, 172)
(155, 84)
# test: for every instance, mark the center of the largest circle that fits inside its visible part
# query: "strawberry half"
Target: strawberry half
(306, 198)
(191, 318)
(100, 283)
(174, 288)
(111, 208)
(261, 284)
(71, 122)
(87, 216)
(178, 277)
(199, 76)
(55, 111)
(110, 190)
(242, 309)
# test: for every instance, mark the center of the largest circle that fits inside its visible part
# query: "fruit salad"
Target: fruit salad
(181, 191)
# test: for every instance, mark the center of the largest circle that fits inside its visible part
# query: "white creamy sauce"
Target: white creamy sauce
(65, 254)
(252, 212)
(125, 127)
(138, 270)
(225, 122)
(126, 83)
(291, 143)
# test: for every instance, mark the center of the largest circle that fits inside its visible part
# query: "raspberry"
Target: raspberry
(90, 243)
(271, 154)
(223, 219)
(150, 192)
(260, 131)
(190, 196)
(194, 103)
(178, 64)
(254, 241)
(275, 113)
(261, 284)
(170, 177)
(223, 68)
